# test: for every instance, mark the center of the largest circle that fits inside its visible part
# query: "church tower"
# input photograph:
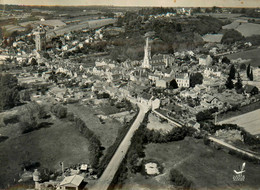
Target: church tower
(147, 54)
(40, 38)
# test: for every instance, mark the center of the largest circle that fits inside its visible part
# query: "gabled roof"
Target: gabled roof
(146, 96)
(72, 180)
(249, 88)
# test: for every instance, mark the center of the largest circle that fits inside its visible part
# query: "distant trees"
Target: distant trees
(196, 78)
(196, 10)
(231, 36)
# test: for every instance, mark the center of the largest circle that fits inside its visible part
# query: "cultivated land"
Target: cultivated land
(249, 121)
(207, 167)
(106, 132)
(246, 29)
(253, 54)
(48, 146)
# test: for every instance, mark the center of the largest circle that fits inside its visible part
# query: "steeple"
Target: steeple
(147, 54)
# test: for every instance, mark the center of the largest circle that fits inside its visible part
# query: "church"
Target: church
(158, 61)
(162, 63)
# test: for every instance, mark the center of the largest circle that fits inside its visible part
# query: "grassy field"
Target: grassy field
(106, 132)
(245, 28)
(154, 123)
(253, 54)
(207, 167)
(48, 146)
(249, 121)
(245, 109)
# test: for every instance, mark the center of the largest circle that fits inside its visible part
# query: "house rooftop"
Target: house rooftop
(72, 180)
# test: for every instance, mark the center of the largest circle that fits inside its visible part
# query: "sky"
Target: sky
(163, 3)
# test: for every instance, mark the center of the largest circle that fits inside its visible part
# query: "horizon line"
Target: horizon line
(131, 6)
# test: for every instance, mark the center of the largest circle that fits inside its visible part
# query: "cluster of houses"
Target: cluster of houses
(170, 73)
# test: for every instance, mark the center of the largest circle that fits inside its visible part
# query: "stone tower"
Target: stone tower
(147, 54)
(40, 38)
(36, 178)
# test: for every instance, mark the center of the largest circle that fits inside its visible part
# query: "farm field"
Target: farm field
(245, 28)
(48, 146)
(106, 132)
(205, 166)
(253, 54)
(249, 121)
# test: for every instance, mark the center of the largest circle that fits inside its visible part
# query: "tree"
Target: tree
(226, 60)
(229, 83)
(232, 72)
(196, 78)
(251, 77)
(9, 93)
(173, 84)
(179, 179)
(248, 71)
(231, 36)
(238, 84)
(243, 66)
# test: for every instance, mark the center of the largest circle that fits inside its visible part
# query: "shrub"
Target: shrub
(179, 179)
(59, 111)
(70, 116)
(11, 119)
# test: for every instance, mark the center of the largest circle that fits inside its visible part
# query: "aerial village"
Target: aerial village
(176, 86)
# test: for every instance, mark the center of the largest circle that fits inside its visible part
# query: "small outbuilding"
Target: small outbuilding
(250, 89)
(74, 182)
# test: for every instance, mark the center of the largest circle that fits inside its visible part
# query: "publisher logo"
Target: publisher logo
(239, 176)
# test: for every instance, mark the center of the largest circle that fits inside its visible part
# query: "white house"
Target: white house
(183, 80)
(205, 60)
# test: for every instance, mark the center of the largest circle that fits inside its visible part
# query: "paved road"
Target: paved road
(108, 175)
(233, 147)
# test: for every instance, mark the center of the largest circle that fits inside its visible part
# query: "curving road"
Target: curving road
(108, 174)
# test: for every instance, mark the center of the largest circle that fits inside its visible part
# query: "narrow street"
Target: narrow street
(108, 174)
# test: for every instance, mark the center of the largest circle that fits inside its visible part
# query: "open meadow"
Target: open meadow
(205, 166)
(106, 132)
(48, 146)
